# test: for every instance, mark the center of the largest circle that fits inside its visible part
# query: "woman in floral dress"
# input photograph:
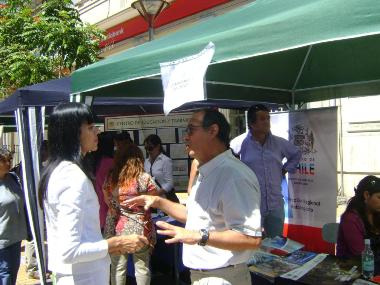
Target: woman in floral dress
(127, 179)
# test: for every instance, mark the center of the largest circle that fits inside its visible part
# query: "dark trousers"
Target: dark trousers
(10, 263)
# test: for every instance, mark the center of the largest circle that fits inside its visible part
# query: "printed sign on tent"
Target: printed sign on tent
(182, 79)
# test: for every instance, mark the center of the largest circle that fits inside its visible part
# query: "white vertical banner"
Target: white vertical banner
(182, 79)
(312, 196)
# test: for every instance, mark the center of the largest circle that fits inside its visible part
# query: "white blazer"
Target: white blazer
(75, 242)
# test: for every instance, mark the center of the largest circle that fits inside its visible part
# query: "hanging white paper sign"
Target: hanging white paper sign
(182, 79)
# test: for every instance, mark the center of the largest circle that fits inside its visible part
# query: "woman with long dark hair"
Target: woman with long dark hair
(361, 220)
(77, 252)
(127, 179)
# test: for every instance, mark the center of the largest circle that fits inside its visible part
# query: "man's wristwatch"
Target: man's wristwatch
(204, 237)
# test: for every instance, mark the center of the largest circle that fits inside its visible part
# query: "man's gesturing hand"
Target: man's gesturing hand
(178, 234)
(143, 200)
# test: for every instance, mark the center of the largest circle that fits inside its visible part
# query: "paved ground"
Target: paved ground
(22, 277)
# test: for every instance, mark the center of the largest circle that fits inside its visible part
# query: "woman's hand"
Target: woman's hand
(143, 200)
(178, 234)
(126, 244)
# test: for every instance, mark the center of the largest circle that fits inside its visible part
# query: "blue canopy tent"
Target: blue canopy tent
(49, 93)
(27, 104)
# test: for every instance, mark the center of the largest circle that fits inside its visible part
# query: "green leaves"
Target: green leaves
(50, 42)
(23, 67)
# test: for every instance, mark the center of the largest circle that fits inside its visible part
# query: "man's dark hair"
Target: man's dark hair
(212, 116)
(253, 110)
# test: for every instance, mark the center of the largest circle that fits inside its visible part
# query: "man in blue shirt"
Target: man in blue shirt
(263, 153)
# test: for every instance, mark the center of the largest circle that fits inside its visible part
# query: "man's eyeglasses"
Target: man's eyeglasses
(191, 128)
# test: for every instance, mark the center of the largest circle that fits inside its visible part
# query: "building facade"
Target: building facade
(125, 28)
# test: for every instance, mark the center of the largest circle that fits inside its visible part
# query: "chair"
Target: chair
(330, 232)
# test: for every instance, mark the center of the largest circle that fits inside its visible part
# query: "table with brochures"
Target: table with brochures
(281, 260)
(307, 268)
(331, 270)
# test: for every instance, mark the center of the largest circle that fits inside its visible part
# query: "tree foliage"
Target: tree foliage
(48, 42)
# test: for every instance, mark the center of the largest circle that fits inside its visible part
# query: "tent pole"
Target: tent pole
(29, 185)
(88, 100)
(299, 75)
(36, 129)
(75, 97)
(293, 106)
(245, 85)
(142, 108)
(340, 150)
(350, 84)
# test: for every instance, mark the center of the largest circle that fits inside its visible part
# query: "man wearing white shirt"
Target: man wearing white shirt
(222, 215)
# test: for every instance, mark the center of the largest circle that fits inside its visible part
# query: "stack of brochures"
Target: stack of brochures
(300, 257)
(270, 266)
(280, 245)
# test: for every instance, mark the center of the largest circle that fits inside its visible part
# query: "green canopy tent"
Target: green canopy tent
(276, 51)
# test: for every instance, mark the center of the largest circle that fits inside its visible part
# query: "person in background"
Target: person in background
(110, 143)
(264, 152)
(160, 167)
(361, 220)
(44, 154)
(127, 179)
(121, 139)
(103, 165)
(77, 252)
(222, 214)
(193, 172)
(12, 220)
